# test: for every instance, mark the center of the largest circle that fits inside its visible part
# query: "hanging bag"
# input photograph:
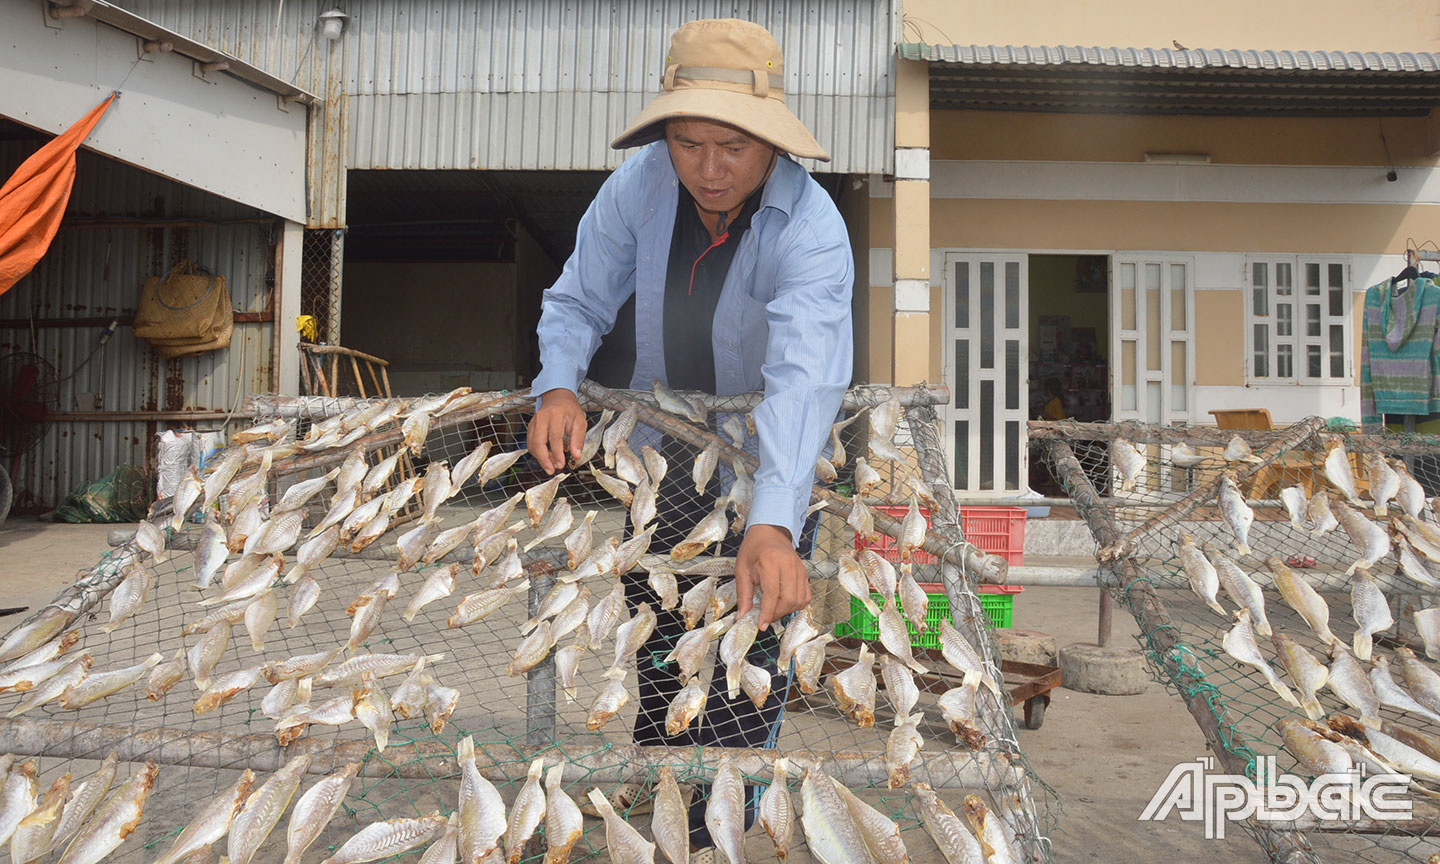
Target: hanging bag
(185, 313)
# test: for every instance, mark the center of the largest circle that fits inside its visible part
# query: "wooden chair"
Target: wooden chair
(1242, 418)
(359, 364)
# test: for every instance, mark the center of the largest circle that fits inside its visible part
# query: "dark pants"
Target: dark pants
(724, 722)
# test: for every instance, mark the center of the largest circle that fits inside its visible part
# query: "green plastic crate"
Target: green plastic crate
(998, 607)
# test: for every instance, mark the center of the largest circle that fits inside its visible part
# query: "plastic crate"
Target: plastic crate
(997, 530)
(997, 602)
(885, 544)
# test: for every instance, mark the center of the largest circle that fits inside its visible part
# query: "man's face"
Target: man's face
(720, 165)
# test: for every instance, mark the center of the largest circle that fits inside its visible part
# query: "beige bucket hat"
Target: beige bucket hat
(730, 71)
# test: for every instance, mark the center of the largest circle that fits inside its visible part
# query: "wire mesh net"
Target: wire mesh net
(382, 601)
(1164, 500)
(321, 262)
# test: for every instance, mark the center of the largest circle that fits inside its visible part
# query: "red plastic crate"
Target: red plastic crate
(997, 530)
(885, 544)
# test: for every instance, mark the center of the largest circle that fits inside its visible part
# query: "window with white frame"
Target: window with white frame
(1297, 320)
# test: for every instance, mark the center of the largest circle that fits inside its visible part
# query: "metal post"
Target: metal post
(337, 272)
(540, 681)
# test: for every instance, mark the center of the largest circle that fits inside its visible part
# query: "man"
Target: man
(715, 263)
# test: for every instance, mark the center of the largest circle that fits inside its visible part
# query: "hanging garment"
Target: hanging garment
(32, 201)
(1399, 360)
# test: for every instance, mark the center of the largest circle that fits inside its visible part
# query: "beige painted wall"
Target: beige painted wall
(1219, 338)
(1007, 135)
(1177, 227)
(1378, 25)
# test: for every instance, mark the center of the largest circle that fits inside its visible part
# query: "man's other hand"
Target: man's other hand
(559, 420)
(767, 561)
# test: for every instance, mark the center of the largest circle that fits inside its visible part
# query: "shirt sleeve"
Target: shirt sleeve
(808, 363)
(580, 308)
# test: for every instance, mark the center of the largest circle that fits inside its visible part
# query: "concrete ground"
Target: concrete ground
(1104, 756)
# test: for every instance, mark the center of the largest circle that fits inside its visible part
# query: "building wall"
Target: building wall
(1381, 25)
(527, 85)
(440, 325)
(121, 225)
(1079, 183)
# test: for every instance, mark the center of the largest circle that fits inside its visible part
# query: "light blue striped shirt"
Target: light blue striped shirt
(782, 324)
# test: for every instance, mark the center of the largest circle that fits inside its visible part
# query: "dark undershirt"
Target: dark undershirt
(689, 308)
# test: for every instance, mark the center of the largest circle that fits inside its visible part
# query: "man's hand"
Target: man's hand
(768, 561)
(560, 419)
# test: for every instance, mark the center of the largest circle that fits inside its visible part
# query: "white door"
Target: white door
(1152, 349)
(986, 364)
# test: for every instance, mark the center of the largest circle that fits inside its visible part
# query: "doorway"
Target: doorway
(1069, 328)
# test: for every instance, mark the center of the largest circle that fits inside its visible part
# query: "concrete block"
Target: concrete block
(1109, 671)
(1026, 646)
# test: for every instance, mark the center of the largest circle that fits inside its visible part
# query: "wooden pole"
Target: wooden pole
(588, 758)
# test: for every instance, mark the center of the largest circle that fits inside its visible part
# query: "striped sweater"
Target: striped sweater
(1399, 354)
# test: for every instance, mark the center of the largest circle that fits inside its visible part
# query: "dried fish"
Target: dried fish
(114, 821)
(557, 521)
(314, 810)
(389, 838)
(1236, 512)
(32, 835)
(954, 840)
(1370, 610)
(618, 489)
(96, 687)
(211, 823)
(855, 689)
(210, 552)
(303, 596)
(467, 466)
(612, 697)
(439, 585)
(711, 529)
(618, 432)
(912, 530)
(564, 823)
(725, 811)
(129, 596)
(164, 676)
(624, 843)
(831, 835)
(580, 541)
(1239, 642)
(879, 832)
(372, 709)
(525, 813)
(481, 809)
(670, 822)
(475, 606)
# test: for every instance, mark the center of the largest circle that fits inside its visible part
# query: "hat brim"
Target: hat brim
(767, 119)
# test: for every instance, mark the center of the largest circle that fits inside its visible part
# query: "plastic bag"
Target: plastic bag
(124, 495)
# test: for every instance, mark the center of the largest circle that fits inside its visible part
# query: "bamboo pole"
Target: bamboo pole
(431, 758)
(1154, 619)
(855, 399)
(985, 568)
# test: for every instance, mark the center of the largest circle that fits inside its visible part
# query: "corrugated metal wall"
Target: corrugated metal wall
(94, 270)
(541, 84)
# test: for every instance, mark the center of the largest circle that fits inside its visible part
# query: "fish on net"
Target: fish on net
(1284, 582)
(431, 639)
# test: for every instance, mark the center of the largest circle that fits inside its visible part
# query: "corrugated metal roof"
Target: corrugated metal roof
(544, 84)
(1168, 58)
(121, 19)
(1073, 78)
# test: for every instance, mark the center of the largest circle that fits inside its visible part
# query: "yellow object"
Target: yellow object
(307, 327)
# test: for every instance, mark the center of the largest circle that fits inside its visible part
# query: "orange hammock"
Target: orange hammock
(32, 201)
